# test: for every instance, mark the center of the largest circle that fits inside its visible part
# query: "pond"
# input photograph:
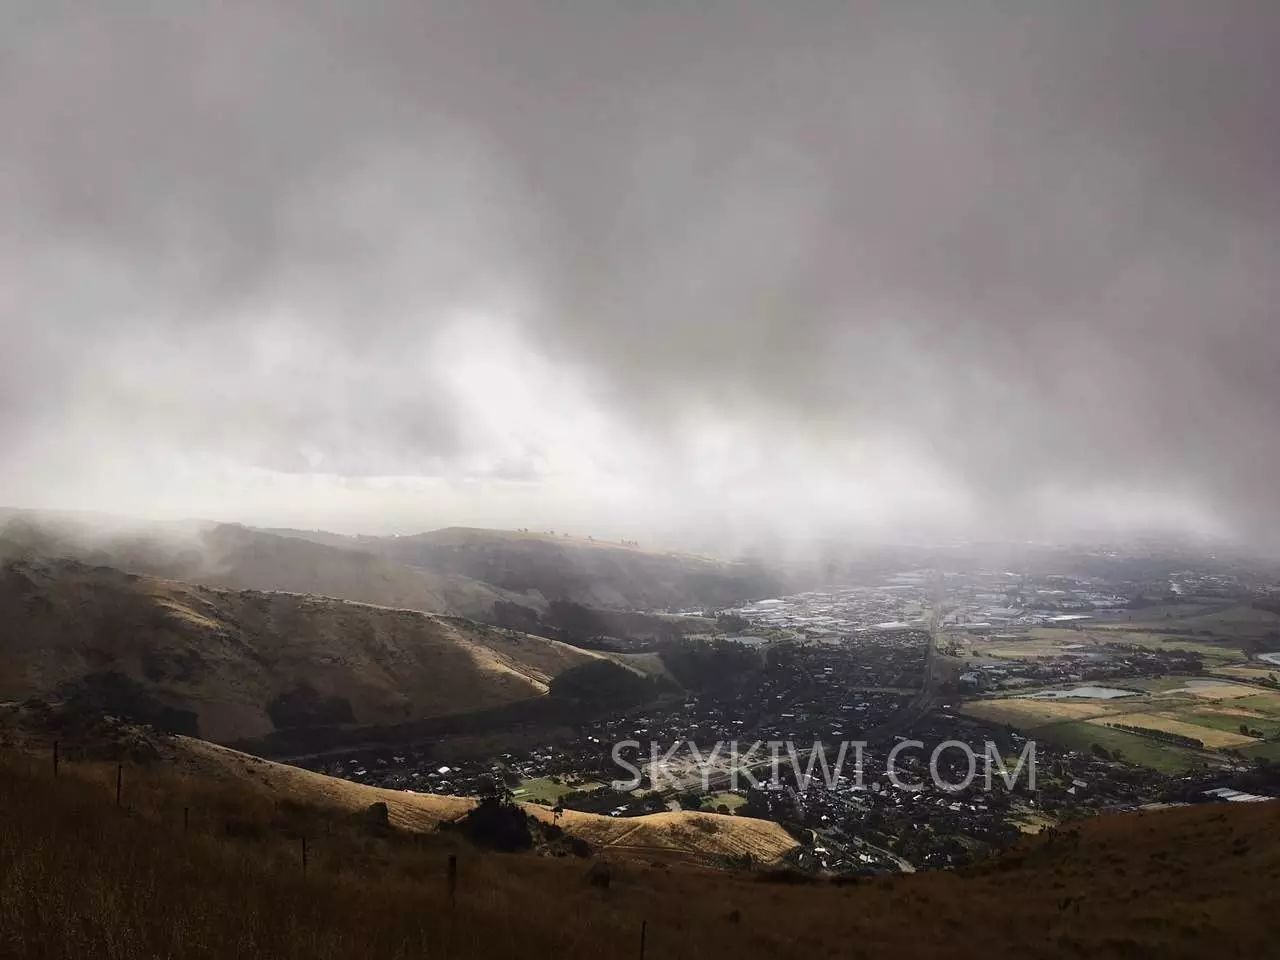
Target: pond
(1085, 693)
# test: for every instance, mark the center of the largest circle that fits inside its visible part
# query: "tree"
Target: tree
(692, 800)
(498, 824)
(602, 683)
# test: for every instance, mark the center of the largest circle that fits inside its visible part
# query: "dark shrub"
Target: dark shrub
(497, 824)
(599, 875)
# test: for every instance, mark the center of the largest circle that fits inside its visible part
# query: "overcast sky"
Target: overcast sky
(670, 270)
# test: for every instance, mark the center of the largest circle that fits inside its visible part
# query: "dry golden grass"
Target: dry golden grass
(696, 837)
(1028, 714)
(276, 782)
(1229, 711)
(80, 878)
(1212, 738)
(1216, 691)
(679, 835)
(227, 655)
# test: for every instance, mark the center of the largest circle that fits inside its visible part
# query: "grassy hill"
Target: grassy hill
(457, 571)
(692, 837)
(91, 745)
(589, 572)
(241, 664)
(241, 558)
(194, 863)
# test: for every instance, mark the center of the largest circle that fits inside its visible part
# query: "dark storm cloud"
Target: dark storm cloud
(1031, 247)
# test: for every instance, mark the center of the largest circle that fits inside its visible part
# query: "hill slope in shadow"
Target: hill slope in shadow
(590, 572)
(241, 664)
(192, 866)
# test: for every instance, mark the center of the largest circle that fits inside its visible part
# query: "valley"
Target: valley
(435, 719)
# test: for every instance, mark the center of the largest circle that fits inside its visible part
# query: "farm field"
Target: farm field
(1059, 641)
(1081, 735)
(1160, 684)
(1230, 718)
(1196, 688)
(1214, 738)
(1224, 651)
(1211, 710)
(1030, 714)
(1251, 673)
(1268, 703)
(1025, 647)
(1265, 750)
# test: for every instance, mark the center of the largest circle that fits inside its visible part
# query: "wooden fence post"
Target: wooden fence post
(119, 781)
(644, 928)
(453, 900)
(304, 856)
(186, 818)
(55, 758)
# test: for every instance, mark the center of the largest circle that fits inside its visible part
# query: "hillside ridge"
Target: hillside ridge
(1178, 883)
(241, 664)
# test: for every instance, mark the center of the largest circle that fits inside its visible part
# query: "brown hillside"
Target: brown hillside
(85, 878)
(86, 742)
(590, 572)
(697, 837)
(233, 665)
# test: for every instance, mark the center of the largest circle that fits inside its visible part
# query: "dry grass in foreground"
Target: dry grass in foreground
(82, 878)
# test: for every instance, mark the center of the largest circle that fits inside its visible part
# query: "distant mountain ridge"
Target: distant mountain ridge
(243, 558)
(457, 571)
(238, 634)
(547, 567)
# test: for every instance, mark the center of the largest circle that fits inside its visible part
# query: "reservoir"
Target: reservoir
(1085, 693)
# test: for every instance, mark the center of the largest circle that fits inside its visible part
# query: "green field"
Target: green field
(1216, 707)
(1080, 736)
(1268, 703)
(546, 790)
(1269, 726)
(1022, 649)
(1223, 652)
(1269, 750)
